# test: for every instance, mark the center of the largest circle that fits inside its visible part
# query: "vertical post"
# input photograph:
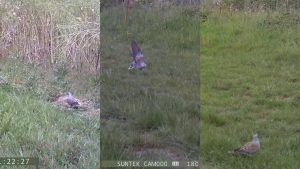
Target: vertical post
(126, 5)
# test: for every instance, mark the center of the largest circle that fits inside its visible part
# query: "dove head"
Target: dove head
(255, 137)
(69, 94)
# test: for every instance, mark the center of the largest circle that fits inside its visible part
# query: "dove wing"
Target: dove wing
(72, 102)
(249, 148)
(136, 50)
(139, 58)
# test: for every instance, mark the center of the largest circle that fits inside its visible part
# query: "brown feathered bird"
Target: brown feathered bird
(249, 148)
(67, 100)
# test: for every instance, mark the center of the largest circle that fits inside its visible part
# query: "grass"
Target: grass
(151, 114)
(250, 83)
(31, 126)
(44, 32)
(39, 61)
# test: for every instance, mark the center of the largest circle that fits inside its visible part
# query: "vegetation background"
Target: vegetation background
(46, 48)
(150, 114)
(250, 55)
(249, 63)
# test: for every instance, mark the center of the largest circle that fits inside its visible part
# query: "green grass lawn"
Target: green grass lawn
(151, 114)
(250, 83)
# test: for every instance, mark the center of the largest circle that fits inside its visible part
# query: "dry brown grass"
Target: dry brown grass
(50, 35)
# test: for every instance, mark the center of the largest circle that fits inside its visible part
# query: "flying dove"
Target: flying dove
(248, 148)
(137, 57)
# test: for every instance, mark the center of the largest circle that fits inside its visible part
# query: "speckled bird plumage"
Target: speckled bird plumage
(249, 148)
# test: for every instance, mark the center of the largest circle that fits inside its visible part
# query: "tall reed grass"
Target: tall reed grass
(49, 32)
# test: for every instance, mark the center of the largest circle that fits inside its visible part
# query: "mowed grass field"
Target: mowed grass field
(150, 114)
(250, 74)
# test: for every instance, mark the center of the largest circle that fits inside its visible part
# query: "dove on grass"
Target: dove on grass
(249, 148)
(67, 100)
(71, 101)
(137, 57)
